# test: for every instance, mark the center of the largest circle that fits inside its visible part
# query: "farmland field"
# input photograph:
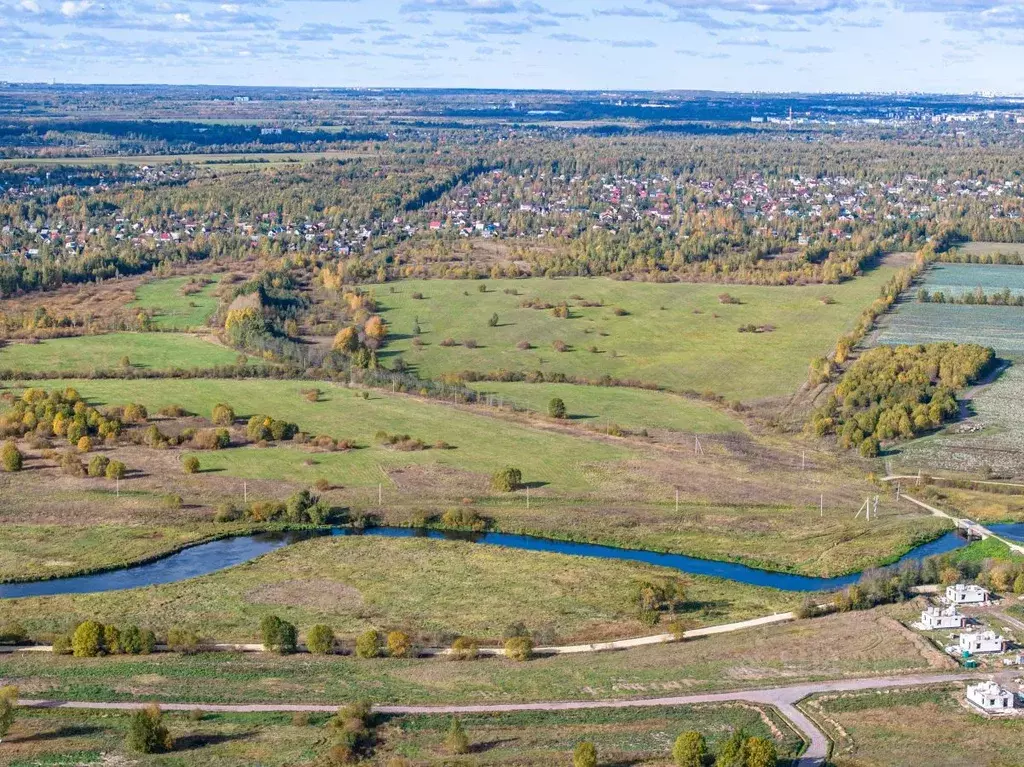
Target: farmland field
(173, 310)
(676, 335)
(434, 589)
(149, 351)
(991, 248)
(957, 279)
(915, 727)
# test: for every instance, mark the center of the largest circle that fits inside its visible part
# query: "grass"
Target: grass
(600, 406)
(851, 644)
(148, 351)
(677, 335)
(174, 310)
(915, 727)
(429, 588)
(533, 739)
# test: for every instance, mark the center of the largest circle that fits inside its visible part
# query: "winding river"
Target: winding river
(216, 555)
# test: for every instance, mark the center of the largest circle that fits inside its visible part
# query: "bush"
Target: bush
(519, 648)
(11, 458)
(147, 733)
(690, 750)
(212, 439)
(223, 415)
(399, 644)
(134, 413)
(62, 645)
(761, 752)
(12, 633)
(465, 648)
(184, 640)
(507, 480)
(584, 755)
(111, 639)
(227, 512)
(368, 644)
(173, 501)
(71, 466)
(320, 640)
(8, 701)
(556, 408)
(190, 464)
(87, 640)
(456, 740)
(136, 641)
(493, 321)
(278, 635)
(116, 470)
(84, 445)
(98, 465)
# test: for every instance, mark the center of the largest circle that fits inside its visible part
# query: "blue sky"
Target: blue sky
(776, 45)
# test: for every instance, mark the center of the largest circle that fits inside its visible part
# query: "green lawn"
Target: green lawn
(174, 310)
(435, 589)
(149, 351)
(600, 406)
(676, 335)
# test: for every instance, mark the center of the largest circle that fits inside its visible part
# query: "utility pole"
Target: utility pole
(527, 496)
(697, 449)
(821, 506)
(245, 492)
(677, 500)
(803, 461)
(380, 493)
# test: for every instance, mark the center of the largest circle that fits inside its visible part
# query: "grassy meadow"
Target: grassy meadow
(429, 588)
(173, 310)
(148, 351)
(679, 335)
(600, 406)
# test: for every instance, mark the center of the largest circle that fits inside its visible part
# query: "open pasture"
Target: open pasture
(432, 589)
(174, 309)
(599, 407)
(150, 351)
(680, 336)
(992, 248)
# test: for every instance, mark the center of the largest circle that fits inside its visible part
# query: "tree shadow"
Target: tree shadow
(490, 745)
(67, 731)
(194, 742)
(533, 485)
(580, 417)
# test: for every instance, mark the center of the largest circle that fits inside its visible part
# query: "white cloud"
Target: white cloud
(72, 8)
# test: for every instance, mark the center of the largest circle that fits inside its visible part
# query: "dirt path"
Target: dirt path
(782, 698)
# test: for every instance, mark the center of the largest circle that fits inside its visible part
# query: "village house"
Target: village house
(935, 618)
(981, 642)
(966, 594)
(989, 696)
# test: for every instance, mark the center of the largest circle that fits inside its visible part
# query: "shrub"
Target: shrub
(184, 640)
(493, 321)
(449, 342)
(12, 633)
(560, 346)
(223, 415)
(690, 750)
(98, 465)
(116, 470)
(761, 752)
(300, 719)
(111, 639)
(62, 645)
(507, 480)
(212, 439)
(399, 644)
(147, 733)
(8, 701)
(524, 346)
(584, 755)
(190, 464)
(469, 343)
(464, 518)
(227, 512)
(519, 648)
(11, 458)
(618, 311)
(368, 644)
(172, 411)
(134, 413)
(456, 740)
(136, 641)
(465, 648)
(278, 635)
(173, 501)
(71, 466)
(87, 640)
(556, 408)
(320, 640)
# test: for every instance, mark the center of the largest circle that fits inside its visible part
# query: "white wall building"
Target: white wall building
(966, 594)
(989, 696)
(935, 618)
(981, 641)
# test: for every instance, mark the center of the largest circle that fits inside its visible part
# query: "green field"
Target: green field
(532, 739)
(600, 406)
(171, 309)
(915, 727)
(148, 351)
(860, 643)
(677, 335)
(430, 588)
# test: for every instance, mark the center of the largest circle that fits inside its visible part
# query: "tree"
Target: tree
(223, 415)
(493, 321)
(278, 635)
(98, 465)
(733, 752)
(456, 739)
(507, 480)
(368, 644)
(147, 733)
(1018, 584)
(690, 750)
(8, 704)
(519, 648)
(399, 644)
(11, 458)
(190, 464)
(761, 752)
(136, 641)
(87, 641)
(584, 755)
(184, 640)
(465, 648)
(320, 640)
(556, 408)
(112, 640)
(116, 470)
(346, 341)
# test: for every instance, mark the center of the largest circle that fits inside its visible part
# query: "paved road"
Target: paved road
(783, 698)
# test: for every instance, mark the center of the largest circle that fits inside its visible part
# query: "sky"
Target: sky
(937, 46)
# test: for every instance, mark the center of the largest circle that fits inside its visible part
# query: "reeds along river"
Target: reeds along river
(216, 555)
